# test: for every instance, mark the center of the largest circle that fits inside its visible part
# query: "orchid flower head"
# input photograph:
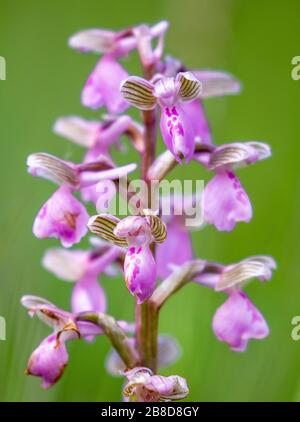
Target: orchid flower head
(237, 320)
(225, 200)
(146, 387)
(135, 233)
(170, 93)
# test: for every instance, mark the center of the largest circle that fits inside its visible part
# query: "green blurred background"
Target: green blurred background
(253, 40)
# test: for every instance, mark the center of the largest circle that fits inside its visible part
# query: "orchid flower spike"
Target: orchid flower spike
(136, 233)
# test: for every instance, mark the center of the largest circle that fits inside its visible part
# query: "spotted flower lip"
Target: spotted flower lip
(146, 387)
(62, 217)
(237, 321)
(226, 202)
(48, 361)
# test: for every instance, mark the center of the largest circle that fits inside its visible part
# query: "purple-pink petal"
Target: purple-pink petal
(178, 132)
(226, 202)
(238, 320)
(103, 86)
(62, 217)
(88, 295)
(140, 272)
(48, 361)
(167, 252)
(198, 120)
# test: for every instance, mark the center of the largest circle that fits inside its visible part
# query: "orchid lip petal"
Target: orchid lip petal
(237, 321)
(225, 201)
(48, 361)
(62, 217)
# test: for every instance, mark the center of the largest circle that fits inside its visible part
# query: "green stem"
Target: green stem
(146, 337)
(115, 334)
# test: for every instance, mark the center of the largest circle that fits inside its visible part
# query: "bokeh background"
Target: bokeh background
(253, 40)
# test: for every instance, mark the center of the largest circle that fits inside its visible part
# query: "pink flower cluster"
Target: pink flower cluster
(144, 247)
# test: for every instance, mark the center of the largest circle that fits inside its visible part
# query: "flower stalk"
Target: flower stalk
(146, 338)
(115, 334)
